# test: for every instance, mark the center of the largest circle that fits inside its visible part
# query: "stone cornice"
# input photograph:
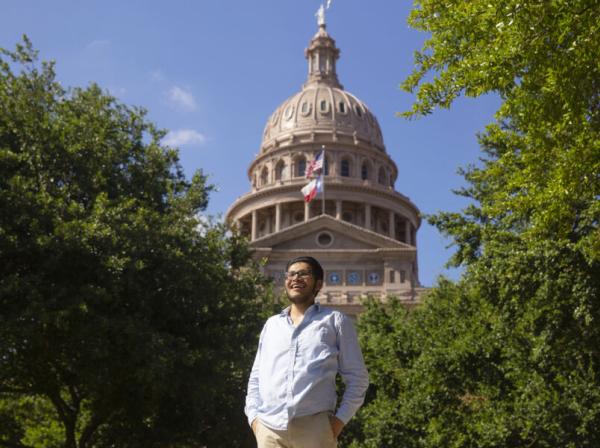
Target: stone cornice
(314, 135)
(410, 254)
(295, 185)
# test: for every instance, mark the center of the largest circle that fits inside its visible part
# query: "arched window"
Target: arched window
(345, 168)
(264, 176)
(280, 170)
(382, 176)
(300, 167)
(364, 171)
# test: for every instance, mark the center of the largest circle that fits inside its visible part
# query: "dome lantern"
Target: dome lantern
(322, 55)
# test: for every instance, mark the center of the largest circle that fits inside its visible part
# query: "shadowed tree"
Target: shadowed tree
(125, 319)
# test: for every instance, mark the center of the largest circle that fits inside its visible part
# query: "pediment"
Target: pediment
(306, 235)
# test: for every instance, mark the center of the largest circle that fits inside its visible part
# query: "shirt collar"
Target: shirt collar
(316, 306)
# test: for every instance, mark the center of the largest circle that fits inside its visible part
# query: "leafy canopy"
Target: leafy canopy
(509, 355)
(125, 319)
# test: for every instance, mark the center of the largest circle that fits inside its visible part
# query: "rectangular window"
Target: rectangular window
(392, 276)
(402, 276)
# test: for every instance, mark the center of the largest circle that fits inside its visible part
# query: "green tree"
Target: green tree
(125, 320)
(509, 356)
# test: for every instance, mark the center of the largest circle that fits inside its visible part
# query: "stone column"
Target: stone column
(338, 210)
(254, 225)
(318, 70)
(407, 231)
(306, 211)
(278, 217)
(368, 216)
(392, 225)
(334, 169)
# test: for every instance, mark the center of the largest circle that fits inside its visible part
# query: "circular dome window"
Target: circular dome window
(324, 239)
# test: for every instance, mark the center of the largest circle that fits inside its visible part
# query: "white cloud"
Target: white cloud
(157, 75)
(181, 99)
(98, 44)
(117, 91)
(182, 137)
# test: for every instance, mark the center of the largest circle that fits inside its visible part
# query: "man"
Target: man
(291, 396)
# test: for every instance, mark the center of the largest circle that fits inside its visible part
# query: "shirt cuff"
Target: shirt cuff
(252, 417)
(343, 416)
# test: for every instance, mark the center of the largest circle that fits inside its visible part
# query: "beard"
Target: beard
(302, 298)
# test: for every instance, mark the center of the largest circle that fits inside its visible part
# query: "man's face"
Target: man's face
(300, 284)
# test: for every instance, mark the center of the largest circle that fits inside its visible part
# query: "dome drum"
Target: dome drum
(343, 164)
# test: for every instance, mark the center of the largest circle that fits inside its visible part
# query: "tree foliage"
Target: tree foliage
(125, 319)
(508, 356)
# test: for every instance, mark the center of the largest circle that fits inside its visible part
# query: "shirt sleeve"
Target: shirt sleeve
(253, 395)
(352, 368)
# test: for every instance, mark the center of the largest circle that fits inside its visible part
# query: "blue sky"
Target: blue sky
(212, 72)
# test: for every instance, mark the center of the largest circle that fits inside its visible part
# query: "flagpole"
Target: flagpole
(323, 186)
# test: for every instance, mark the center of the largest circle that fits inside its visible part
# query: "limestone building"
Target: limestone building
(364, 232)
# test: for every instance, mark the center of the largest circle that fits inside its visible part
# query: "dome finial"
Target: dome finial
(320, 14)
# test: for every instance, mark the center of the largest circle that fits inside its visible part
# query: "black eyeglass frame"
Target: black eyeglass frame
(302, 273)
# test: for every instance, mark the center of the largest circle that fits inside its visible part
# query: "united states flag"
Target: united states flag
(315, 165)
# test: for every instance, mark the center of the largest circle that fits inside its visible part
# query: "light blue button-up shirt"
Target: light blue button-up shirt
(295, 368)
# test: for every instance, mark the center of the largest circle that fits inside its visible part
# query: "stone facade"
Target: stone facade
(363, 232)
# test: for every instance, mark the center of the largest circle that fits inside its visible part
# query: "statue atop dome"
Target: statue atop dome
(320, 14)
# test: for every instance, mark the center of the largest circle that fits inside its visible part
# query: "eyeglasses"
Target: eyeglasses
(301, 274)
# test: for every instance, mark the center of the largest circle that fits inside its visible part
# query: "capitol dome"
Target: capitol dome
(320, 107)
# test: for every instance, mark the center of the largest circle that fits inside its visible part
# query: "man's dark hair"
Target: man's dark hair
(315, 266)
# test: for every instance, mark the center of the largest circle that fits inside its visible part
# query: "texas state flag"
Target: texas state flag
(312, 188)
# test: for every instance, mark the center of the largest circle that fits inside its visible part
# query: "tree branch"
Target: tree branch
(89, 430)
(68, 417)
(7, 444)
